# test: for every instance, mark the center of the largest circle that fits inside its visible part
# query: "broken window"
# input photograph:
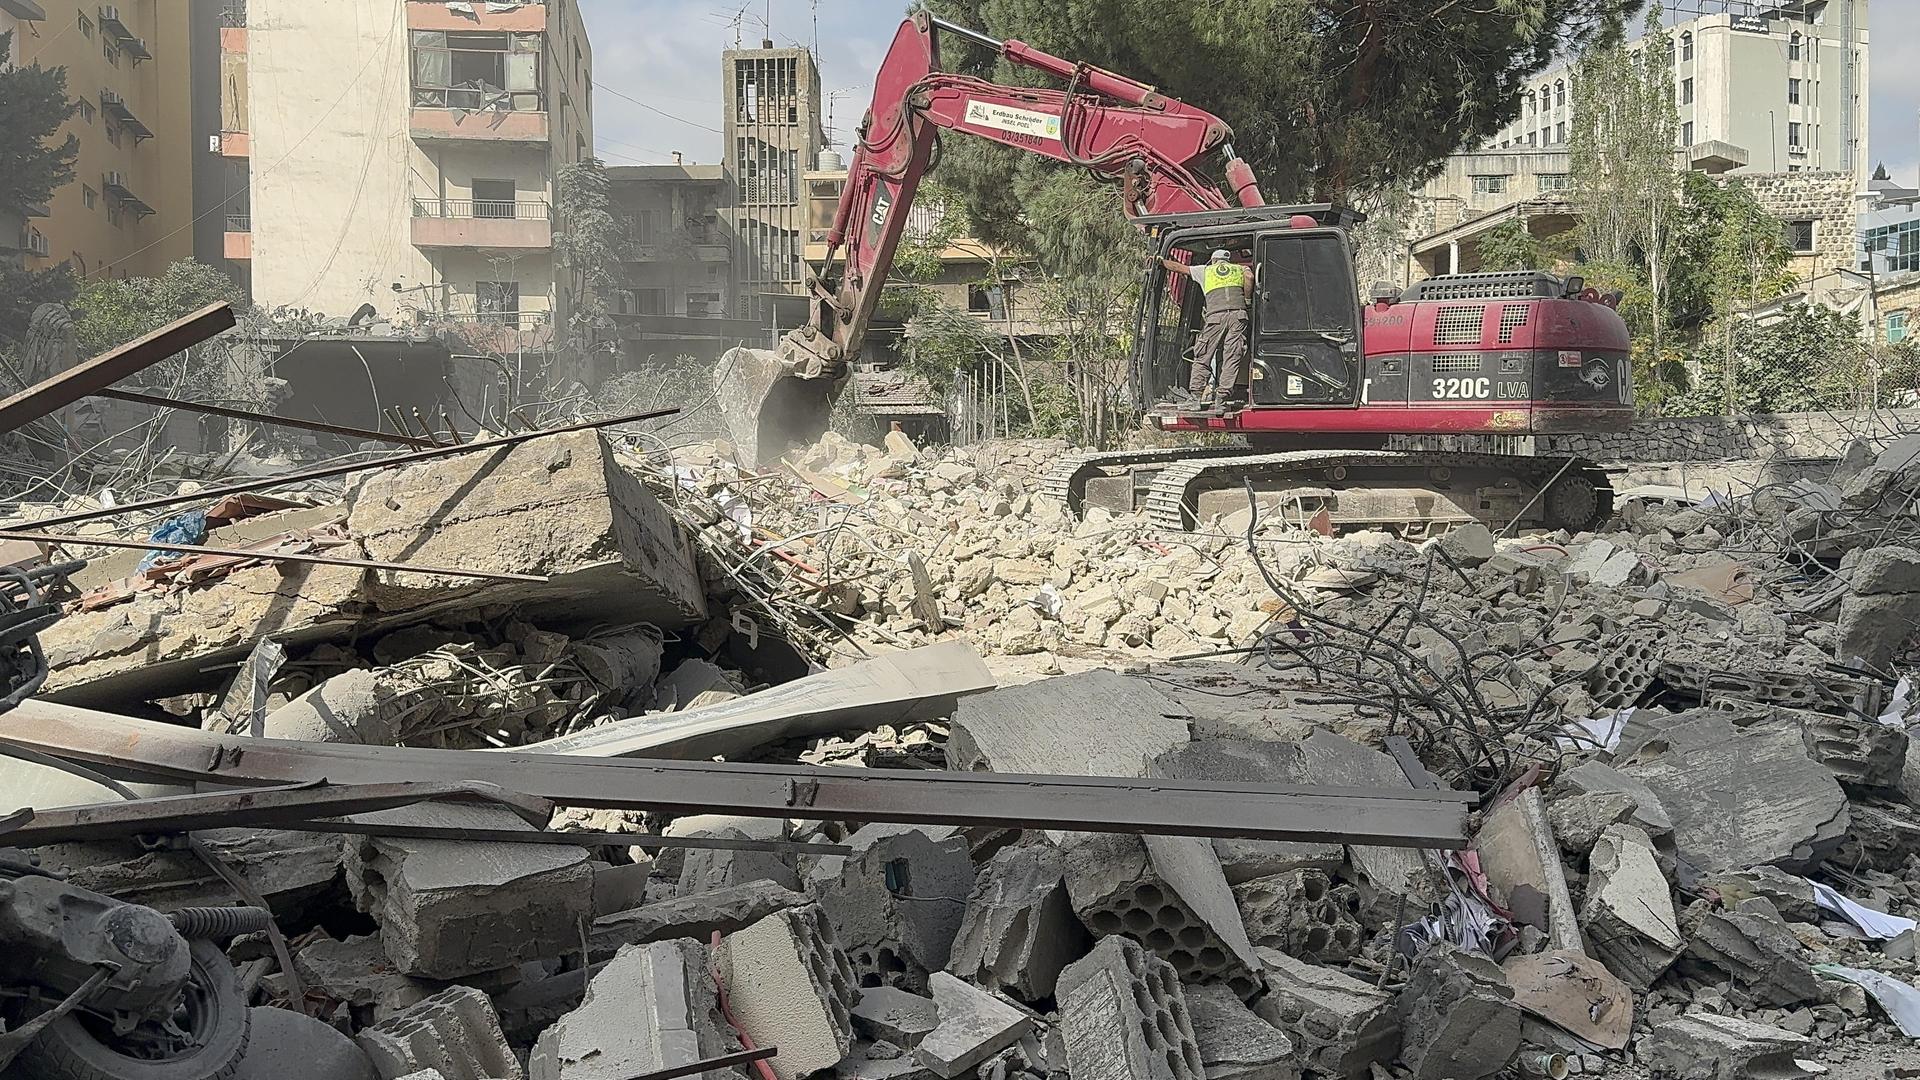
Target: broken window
(497, 301)
(476, 71)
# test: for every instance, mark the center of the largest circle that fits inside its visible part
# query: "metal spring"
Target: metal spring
(220, 922)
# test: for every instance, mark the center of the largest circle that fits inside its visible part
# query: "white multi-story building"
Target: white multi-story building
(1787, 84)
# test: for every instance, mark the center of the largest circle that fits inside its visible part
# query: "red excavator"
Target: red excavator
(1416, 409)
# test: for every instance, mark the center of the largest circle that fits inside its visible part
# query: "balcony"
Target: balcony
(482, 223)
(436, 15)
(678, 249)
(461, 125)
(235, 144)
(114, 185)
(24, 10)
(123, 36)
(115, 106)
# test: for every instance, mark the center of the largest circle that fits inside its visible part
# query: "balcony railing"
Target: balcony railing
(239, 222)
(520, 320)
(500, 209)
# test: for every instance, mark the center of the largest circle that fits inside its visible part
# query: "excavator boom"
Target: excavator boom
(1116, 127)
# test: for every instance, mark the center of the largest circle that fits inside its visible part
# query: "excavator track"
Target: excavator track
(1491, 487)
(1066, 482)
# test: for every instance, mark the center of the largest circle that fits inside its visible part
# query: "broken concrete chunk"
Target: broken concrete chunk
(1019, 930)
(352, 707)
(1744, 796)
(1304, 914)
(559, 506)
(455, 1032)
(894, 1015)
(1244, 860)
(1596, 778)
(1123, 1016)
(1096, 724)
(1578, 820)
(790, 986)
(1457, 1017)
(1339, 1025)
(882, 900)
(449, 908)
(1791, 895)
(1522, 862)
(974, 1025)
(704, 870)
(696, 916)
(1859, 751)
(1767, 963)
(1234, 1043)
(652, 1007)
(1629, 914)
(1884, 569)
(1167, 893)
(357, 973)
(1702, 1046)
(1874, 629)
(1333, 761)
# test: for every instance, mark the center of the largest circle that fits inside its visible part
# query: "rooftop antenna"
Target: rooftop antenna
(813, 7)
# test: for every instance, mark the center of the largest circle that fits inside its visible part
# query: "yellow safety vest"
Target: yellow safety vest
(1224, 275)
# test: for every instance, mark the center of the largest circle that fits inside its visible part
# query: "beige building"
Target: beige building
(676, 275)
(128, 68)
(1786, 85)
(771, 137)
(399, 154)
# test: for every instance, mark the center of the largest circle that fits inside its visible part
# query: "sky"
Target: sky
(666, 54)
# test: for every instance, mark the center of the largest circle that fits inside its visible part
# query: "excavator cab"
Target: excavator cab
(1304, 322)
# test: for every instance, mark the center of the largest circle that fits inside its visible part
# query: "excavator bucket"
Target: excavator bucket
(769, 411)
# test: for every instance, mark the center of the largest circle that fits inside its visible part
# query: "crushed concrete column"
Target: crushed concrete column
(973, 1026)
(1234, 1043)
(455, 1032)
(1166, 892)
(1019, 930)
(450, 908)
(1339, 1025)
(1303, 914)
(790, 986)
(652, 1007)
(1124, 1016)
(890, 901)
(1702, 1046)
(1458, 1019)
(1629, 914)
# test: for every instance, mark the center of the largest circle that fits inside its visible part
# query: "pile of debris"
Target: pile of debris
(1633, 800)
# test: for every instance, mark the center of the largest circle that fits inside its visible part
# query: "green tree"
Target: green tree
(33, 105)
(1808, 359)
(1626, 185)
(589, 246)
(109, 312)
(1509, 246)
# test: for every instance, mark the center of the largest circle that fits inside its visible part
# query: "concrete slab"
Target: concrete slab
(894, 1015)
(1628, 915)
(450, 908)
(1234, 1043)
(695, 915)
(1019, 929)
(1458, 1020)
(1702, 1046)
(1099, 723)
(652, 1007)
(620, 558)
(791, 987)
(1334, 761)
(705, 870)
(898, 688)
(1744, 796)
(974, 1025)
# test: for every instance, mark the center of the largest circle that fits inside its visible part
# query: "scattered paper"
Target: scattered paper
(1896, 714)
(1049, 601)
(1900, 1000)
(1596, 733)
(1874, 924)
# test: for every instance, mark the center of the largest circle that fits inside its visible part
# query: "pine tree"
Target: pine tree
(33, 105)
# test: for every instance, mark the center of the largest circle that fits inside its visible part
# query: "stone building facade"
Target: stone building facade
(1817, 211)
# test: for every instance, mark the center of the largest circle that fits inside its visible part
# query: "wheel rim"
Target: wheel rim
(180, 1034)
(1572, 503)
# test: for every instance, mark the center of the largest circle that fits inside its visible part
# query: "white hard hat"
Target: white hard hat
(1222, 255)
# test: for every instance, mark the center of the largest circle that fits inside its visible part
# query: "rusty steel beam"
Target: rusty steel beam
(1401, 817)
(263, 418)
(265, 556)
(207, 495)
(271, 807)
(647, 841)
(55, 393)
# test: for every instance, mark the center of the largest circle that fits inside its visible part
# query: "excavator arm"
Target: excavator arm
(1124, 130)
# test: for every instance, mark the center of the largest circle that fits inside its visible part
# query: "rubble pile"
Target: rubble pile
(1694, 842)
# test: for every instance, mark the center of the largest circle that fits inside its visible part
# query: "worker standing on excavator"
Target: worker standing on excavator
(1224, 284)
